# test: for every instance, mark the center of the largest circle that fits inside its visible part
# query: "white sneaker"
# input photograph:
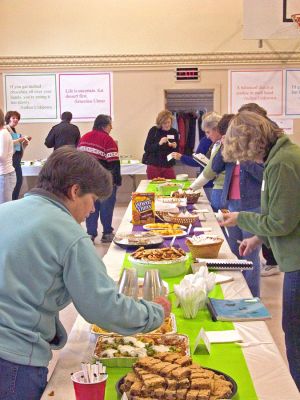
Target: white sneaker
(268, 270)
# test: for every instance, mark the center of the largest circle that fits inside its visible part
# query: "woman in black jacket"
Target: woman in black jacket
(161, 141)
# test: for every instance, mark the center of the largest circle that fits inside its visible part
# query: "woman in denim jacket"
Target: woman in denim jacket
(241, 192)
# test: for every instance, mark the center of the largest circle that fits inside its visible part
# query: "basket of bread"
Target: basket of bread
(204, 246)
(182, 218)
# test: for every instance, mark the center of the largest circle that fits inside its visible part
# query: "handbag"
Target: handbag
(145, 158)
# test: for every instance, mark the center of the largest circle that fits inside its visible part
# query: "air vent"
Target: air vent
(187, 74)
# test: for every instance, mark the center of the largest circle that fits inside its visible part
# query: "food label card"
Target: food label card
(202, 336)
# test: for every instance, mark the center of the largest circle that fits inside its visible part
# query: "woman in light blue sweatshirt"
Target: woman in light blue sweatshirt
(47, 261)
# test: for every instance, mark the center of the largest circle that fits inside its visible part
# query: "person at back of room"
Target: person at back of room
(161, 141)
(101, 145)
(210, 127)
(7, 171)
(12, 119)
(64, 133)
(204, 148)
(56, 264)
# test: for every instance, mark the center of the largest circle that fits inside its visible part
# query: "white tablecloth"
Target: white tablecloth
(126, 169)
(269, 373)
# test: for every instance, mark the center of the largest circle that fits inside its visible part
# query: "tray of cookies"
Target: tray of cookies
(170, 261)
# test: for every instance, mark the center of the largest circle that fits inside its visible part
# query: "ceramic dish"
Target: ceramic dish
(162, 225)
(179, 235)
(182, 177)
(148, 242)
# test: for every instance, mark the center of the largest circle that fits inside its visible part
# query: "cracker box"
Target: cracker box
(143, 211)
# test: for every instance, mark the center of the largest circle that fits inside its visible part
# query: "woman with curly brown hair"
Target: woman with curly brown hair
(161, 141)
(251, 137)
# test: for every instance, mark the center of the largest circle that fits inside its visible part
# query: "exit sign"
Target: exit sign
(187, 74)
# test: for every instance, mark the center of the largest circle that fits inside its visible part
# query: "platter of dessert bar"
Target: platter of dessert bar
(174, 377)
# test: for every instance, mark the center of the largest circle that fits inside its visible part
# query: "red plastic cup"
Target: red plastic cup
(88, 391)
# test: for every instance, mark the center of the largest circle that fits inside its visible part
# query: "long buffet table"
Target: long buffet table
(136, 168)
(270, 376)
(130, 169)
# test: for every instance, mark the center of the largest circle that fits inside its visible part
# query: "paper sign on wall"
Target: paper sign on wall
(287, 124)
(264, 87)
(85, 95)
(32, 95)
(292, 92)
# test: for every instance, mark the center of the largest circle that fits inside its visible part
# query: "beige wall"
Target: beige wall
(120, 27)
(138, 97)
(88, 27)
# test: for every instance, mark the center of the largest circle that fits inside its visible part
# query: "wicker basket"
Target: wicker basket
(173, 219)
(160, 215)
(204, 250)
(191, 198)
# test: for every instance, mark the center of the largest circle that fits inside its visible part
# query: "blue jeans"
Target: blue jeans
(208, 193)
(216, 204)
(21, 382)
(291, 322)
(7, 185)
(17, 157)
(105, 209)
(235, 233)
(215, 199)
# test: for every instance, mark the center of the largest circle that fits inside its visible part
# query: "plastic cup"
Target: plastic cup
(152, 286)
(88, 391)
(128, 283)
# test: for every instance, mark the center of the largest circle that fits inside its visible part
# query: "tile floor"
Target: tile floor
(271, 289)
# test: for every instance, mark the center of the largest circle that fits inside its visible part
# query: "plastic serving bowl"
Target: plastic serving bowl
(167, 269)
(182, 177)
(166, 189)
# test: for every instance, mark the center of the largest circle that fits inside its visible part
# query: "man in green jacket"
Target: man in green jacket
(47, 261)
(251, 137)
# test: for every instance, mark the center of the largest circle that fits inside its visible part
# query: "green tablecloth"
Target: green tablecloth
(152, 187)
(227, 358)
